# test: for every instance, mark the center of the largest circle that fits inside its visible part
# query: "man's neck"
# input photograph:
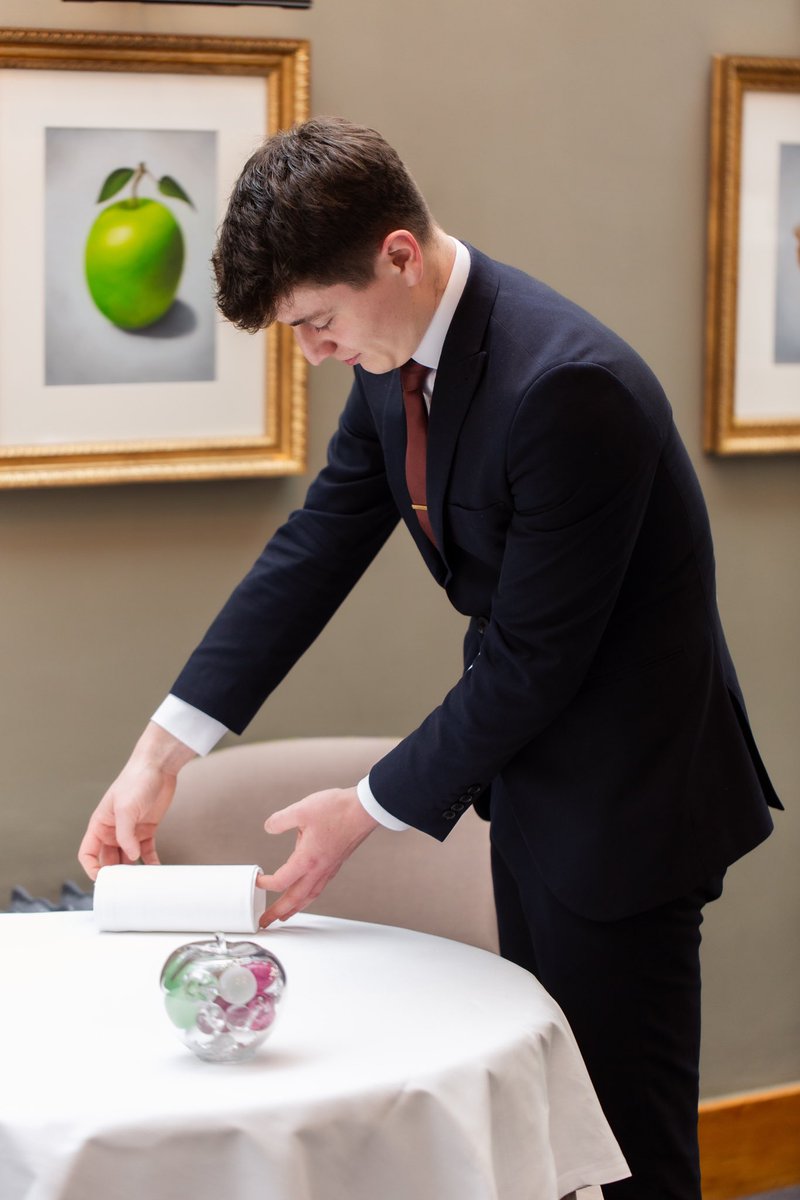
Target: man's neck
(439, 259)
(447, 297)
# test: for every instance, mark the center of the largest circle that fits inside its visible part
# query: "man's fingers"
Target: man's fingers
(329, 824)
(148, 852)
(105, 846)
(275, 912)
(127, 838)
(293, 901)
(95, 851)
(89, 855)
(300, 880)
(292, 870)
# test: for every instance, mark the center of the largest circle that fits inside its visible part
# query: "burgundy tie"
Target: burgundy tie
(412, 377)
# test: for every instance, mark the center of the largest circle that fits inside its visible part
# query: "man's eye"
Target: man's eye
(321, 328)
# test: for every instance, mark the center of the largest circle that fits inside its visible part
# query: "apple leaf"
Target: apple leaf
(170, 187)
(114, 183)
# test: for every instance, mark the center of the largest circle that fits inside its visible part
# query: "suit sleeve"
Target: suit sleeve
(302, 576)
(581, 457)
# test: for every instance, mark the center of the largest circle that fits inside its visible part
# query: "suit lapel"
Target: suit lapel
(452, 397)
(458, 376)
(460, 370)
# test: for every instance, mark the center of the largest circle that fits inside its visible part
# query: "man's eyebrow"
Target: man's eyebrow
(309, 320)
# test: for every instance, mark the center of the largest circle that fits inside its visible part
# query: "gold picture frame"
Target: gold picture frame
(752, 367)
(84, 400)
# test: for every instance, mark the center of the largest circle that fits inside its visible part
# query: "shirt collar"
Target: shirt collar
(429, 351)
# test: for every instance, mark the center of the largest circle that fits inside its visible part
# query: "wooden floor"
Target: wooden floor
(792, 1193)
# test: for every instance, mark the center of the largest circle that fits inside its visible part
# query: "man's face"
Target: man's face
(373, 326)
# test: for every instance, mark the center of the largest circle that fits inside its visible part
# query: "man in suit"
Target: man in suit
(598, 723)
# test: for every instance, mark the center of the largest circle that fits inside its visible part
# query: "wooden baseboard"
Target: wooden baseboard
(750, 1143)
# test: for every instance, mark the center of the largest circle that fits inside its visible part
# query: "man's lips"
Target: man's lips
(351, 362)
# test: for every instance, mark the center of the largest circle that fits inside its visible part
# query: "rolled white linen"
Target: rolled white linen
(178, 898)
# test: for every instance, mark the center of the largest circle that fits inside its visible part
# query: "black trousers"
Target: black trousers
(630, 990)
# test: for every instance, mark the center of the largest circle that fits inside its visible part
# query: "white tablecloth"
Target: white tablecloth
(401, 1067)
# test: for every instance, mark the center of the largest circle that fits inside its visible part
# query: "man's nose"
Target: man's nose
(315, 348)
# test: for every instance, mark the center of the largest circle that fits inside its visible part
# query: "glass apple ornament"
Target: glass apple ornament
(222, 997)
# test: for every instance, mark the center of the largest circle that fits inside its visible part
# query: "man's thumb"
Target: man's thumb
(282, 820)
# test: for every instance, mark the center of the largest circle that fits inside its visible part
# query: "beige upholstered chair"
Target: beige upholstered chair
(406, 879)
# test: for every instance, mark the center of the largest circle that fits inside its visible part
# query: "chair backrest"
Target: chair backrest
(406, 879)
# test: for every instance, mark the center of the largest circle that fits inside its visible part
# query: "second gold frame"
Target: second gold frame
(752, 378)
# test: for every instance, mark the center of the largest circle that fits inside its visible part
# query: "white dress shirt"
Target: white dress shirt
(197, 729)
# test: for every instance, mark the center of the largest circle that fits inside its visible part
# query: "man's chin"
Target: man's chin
(377, 368)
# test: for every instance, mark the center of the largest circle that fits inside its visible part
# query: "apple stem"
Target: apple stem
(138, 176)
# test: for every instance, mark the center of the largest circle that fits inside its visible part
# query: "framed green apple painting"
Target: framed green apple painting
(117, 154)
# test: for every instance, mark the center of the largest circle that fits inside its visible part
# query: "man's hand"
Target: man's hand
(122, 827)
(330, 825)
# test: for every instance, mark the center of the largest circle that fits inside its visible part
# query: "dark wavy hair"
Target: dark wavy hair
(311, 207)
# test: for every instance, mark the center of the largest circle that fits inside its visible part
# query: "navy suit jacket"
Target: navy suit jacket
(598, 699)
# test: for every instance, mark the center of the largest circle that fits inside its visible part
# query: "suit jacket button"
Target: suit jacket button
(475, 790)
(449, 815)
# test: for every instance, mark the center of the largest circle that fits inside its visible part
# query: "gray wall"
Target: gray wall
(570, 137)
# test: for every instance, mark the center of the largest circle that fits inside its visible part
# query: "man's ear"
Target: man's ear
(402, 253)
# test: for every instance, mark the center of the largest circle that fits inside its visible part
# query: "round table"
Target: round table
(401, 1066)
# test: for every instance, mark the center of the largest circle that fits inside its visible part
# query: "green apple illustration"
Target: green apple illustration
(135, 251)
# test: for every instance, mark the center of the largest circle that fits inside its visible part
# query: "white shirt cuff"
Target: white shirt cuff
(189, 725)
(368, 802)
